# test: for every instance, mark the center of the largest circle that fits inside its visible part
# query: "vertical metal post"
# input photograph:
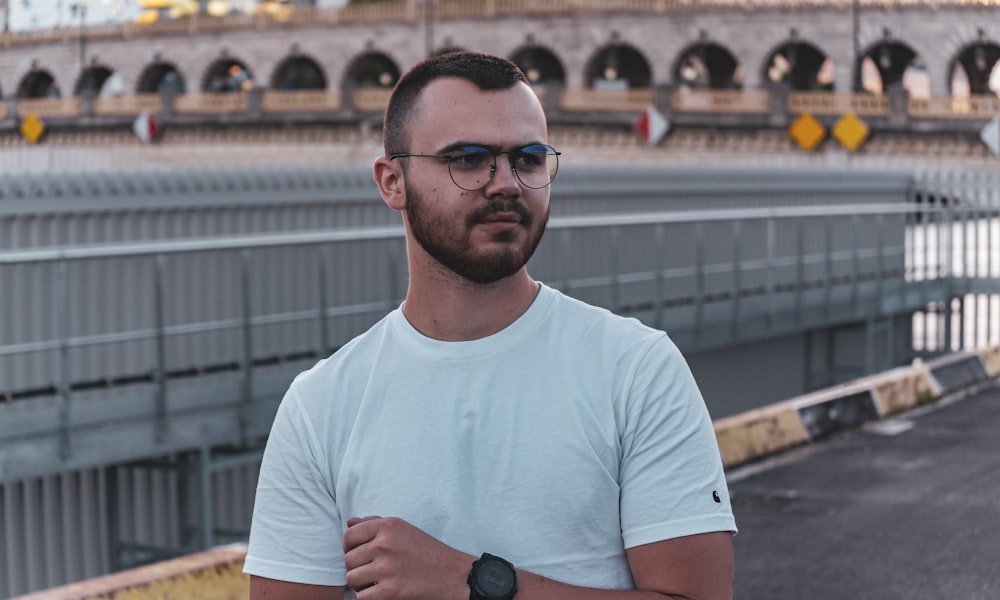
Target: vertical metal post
(800, 270)
(394, 273)
(185, 500)
(769, 274)
(659, 236)
(855, 262)
(945, 242)
(322, 264)
(113, 515)
(870, 345)
(429, 27)
(828, 270)
(737, 276)
(247, 341)
(990, 217)
(807, 359)
(565, 260)
(699, 290)
(855, 30)
(615, 268)
(160, 375)
(207, 516)
(890, 342)
(880, 261)
(965, 227)
(65, 370)
(831, 352)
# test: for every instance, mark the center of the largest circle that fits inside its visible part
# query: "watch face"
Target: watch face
(495, 579)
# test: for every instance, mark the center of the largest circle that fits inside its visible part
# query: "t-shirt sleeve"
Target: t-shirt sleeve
(672, 480)
(297, 532)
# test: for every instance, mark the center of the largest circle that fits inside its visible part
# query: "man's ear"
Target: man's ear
(389, 179)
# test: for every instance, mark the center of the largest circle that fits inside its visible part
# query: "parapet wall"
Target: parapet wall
(763, 432)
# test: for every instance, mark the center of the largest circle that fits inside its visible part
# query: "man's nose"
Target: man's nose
(504, 175)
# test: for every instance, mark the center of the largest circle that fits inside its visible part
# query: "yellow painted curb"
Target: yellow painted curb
(902, 390)
(212, 575)
(991, 360)
(758, 433)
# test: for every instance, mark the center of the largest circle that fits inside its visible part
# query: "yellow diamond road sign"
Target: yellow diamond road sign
(32, 128)
(807, 132)
(851, 131)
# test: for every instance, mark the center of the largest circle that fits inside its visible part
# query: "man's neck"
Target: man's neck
(448, 308)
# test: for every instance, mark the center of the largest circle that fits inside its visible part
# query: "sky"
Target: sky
(46, 14)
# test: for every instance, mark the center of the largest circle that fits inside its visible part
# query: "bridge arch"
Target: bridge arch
(708, 65)
(618, 66)
(540, 64)
(298, 72)
(372, 69)
(227, 75)
(38, 83)
(975, 70)
(92, 80)
(890, 62)
(160, 76)
(800, 65)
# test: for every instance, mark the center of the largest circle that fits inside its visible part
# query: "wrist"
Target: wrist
(492, 578)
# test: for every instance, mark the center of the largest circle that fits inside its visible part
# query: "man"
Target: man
(491, 439)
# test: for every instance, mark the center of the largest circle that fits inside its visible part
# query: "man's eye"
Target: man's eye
(529, 160)
(470, 160)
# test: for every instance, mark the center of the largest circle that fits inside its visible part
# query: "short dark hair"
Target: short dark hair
(486, 71)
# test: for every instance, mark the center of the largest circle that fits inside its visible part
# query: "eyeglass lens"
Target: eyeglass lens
(472, 167)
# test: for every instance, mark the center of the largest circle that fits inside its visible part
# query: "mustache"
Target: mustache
(501, 206)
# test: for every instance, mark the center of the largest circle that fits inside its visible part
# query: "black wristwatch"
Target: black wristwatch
(492, 578)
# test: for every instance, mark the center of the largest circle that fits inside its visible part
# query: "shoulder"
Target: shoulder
(351, 361)
(594, 323)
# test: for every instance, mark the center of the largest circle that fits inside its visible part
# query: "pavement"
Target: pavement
(906, 507)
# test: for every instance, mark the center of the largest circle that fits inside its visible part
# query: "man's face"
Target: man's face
(489, 234)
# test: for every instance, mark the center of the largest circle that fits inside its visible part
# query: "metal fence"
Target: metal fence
(139, 377)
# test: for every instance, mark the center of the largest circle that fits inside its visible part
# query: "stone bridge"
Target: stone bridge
(906, 66)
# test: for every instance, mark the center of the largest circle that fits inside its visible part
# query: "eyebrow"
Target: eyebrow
(491, 147)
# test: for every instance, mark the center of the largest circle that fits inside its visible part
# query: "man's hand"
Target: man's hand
(390, 558)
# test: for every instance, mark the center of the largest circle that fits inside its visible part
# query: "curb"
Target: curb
(759, 433)
(215, 574)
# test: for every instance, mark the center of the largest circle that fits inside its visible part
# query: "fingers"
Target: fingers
(355, 535)
(360, 553)
(355, 520)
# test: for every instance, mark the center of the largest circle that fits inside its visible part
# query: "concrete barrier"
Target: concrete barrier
(215, 574)
(766, 431)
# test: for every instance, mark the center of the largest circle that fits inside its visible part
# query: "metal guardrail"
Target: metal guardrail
(784, 261)
(260, 306)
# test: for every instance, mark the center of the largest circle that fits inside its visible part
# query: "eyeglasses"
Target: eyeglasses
(472, 167)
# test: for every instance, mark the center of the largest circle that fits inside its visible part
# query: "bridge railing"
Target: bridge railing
(130, 313)
(146, 349)
(828, 104)
(691, 107)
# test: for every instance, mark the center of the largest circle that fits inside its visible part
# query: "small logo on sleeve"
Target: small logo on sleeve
(715, 496)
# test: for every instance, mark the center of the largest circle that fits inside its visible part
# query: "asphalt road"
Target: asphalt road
(906, 508)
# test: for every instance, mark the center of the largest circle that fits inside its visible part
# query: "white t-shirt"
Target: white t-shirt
(556, 443)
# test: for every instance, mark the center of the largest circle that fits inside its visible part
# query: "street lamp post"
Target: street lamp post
(79, 9)
(429, 27)
(856, 23)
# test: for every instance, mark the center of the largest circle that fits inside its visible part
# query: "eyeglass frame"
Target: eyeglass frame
(493, 167)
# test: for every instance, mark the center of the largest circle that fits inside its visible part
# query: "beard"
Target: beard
(453, 248)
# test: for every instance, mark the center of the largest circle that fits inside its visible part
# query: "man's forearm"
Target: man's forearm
(536, 587)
